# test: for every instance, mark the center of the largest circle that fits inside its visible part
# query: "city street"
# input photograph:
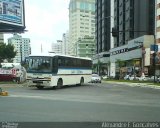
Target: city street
(88, 103)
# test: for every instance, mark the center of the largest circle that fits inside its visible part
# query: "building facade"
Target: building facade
(158, 22)
(1, 38)
(81, 21)
(133, 19)
(104, 10)
(85, 47)
(103, 25)
(22, 46)
(134, 23)
(65, 44)
(57, 47)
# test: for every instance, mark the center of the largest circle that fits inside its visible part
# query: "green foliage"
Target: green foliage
(120, 62)
(7, 52)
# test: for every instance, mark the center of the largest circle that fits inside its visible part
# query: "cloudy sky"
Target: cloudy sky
(46, 21)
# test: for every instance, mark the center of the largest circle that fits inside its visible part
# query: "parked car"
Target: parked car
(157, 79)
(133, 77)
(104, 77)
(143, 78)
(126, 77)
(95, 78)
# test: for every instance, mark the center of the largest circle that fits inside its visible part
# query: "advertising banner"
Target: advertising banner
(8, 72)
(12, 12)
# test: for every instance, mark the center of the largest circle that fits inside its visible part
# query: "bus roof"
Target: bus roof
(54, 54)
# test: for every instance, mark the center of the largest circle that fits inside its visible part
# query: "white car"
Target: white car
(157, 79)
(133, 77)
(104, 77)
(126, 77)
(95, 78)
(143, 78)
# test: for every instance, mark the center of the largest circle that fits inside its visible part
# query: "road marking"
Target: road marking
(61, 98)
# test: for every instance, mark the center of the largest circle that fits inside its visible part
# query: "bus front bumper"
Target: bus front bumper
(39, 82)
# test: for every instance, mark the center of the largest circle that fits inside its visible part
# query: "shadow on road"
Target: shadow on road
(62, 88)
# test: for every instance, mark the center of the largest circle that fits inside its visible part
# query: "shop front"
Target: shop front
(135, 57)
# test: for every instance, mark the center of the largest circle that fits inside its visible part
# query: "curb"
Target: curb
(145, 85)
(3, 93)
(10, 85)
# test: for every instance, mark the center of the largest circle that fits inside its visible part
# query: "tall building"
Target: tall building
(133, 31)
(133, 18)
(65, 43)
(57, 47)
(104, 40)
(81, 21)
(103, 25)
(158, 22)
(22, 46)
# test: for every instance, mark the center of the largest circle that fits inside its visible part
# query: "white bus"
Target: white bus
(52, 70)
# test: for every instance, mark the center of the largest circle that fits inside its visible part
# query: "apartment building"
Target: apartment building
(22, 46)
(57, 47)
(65, 44)
(85, 47)
(81, 21)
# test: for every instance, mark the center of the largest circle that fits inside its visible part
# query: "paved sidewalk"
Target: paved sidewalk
(146, 85)
(12, 85)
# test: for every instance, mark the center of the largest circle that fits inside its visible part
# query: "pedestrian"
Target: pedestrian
(19, 76)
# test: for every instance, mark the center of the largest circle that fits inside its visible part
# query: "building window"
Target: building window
(158, 5)
(158, 17)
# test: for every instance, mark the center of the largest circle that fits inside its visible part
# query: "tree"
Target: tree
(120, 63)
(109, 68)
(7, 52)
(133, 62)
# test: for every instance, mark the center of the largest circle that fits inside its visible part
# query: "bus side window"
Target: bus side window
(54, 65)
(59, 62)
(66, 62)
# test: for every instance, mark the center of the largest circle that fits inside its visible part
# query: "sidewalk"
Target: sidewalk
(146, 85)
(8, 85)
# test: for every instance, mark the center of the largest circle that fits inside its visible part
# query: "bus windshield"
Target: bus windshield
(39, 64)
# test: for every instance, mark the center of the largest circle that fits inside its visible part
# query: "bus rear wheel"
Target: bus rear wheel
(59, 84)
(40, 87)
(81, 81)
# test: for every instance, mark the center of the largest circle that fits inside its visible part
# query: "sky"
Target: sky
(45, 21)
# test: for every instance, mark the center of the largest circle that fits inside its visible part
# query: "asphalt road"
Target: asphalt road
(88, 103)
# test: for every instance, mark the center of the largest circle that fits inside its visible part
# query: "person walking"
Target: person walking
(19, 76)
